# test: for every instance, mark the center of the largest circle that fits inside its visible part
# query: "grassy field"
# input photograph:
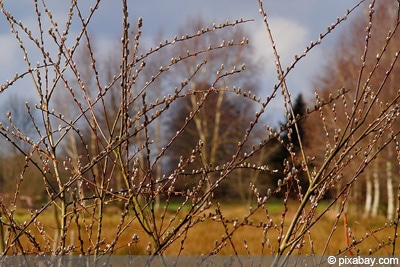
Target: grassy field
(200, 239)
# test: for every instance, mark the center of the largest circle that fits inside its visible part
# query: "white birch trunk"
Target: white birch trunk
(368, 195)
(375, 204)
(390, 195)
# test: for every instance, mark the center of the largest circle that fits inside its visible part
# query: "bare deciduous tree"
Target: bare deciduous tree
(371, 91)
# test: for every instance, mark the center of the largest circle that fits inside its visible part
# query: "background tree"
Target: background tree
(18, 119)
(287, 149)
(222, 120)
(371, 91)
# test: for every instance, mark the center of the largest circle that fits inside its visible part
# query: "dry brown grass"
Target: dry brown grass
(201, 238)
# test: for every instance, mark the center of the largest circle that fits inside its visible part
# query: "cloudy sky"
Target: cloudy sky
(294, 24)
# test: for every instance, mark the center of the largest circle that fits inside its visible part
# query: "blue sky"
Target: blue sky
(294, 24)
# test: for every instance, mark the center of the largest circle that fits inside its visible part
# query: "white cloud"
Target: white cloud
(289, 36)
